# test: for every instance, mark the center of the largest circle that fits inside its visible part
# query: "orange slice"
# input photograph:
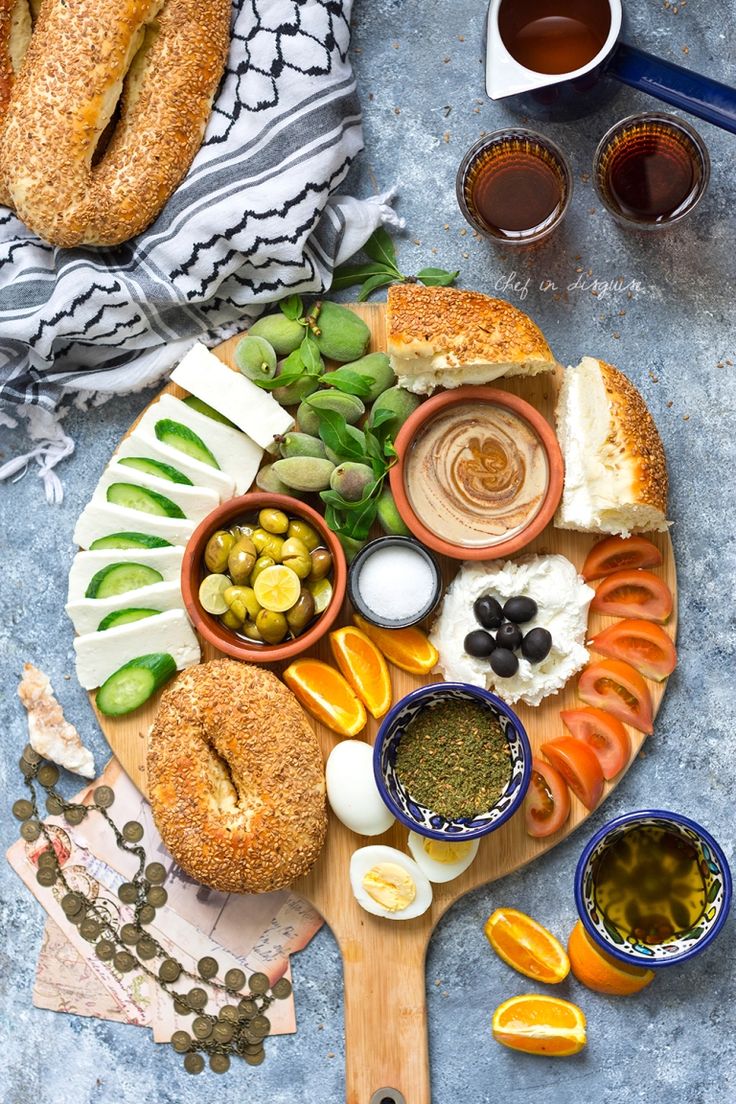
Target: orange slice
(600, 971)
(526, 946)
(408, 649)
(364, 667)
(540, 1025)
(326, 695)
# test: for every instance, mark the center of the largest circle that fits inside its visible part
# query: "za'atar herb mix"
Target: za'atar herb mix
(454, 758)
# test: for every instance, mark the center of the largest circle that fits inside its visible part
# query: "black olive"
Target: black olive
(479, 644)
(504, 663)
(520, 610)
(536, 645)
(488, 612)
(508, 636)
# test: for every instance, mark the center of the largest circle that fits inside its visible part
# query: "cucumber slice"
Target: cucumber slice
(129, 540)
(157, 468)
(118, 578)
(209, 411)
(124, 617)
(184, 439)
(132, 684)
(141, 498)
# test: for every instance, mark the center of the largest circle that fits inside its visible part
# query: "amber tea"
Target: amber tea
(554, 36)
(649, 885)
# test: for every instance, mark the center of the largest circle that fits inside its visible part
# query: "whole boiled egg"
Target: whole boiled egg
(388, 883)
(352, 791)
(442, 860)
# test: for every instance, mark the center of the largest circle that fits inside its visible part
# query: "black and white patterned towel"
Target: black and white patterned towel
(256, 217)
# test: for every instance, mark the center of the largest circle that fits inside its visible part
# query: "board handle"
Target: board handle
(386, 1048)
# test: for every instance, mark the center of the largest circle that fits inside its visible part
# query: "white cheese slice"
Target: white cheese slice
(196, 502)
(86, 613)
(144, 443)
(235, 452)
(232, 394)
(86, 564)
(99, 655)
(102, 519)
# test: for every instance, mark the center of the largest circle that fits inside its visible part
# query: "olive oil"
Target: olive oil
(554, 36)
(649, 885)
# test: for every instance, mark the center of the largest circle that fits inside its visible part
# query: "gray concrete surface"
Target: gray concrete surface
(421, 79)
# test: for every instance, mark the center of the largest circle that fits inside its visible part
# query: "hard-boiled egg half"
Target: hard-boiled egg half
(352, 791)
(389, 883)
(442, 860)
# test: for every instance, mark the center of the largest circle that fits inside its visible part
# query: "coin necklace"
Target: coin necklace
(238, 1029)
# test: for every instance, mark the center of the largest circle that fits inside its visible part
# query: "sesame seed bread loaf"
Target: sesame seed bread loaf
(158, 64)
(615, 466)
(444, 337)
(236, 778)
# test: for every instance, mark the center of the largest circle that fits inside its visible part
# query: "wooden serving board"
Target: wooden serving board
(385, 1011)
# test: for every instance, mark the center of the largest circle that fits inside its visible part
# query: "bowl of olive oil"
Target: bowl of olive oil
(653, 888)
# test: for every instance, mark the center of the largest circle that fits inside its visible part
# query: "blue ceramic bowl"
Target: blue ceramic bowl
(421, 819)
(716, 874)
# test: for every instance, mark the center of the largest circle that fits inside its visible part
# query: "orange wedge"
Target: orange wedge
(600, 971)
(408, 649)
(326, 695)
(526, 946)
(540, 1025)
(364, 667)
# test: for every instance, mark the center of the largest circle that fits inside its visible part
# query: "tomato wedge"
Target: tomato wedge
(633, 594)
(579, 766)
(547, 801)
(604, 735)
(617, 553)
(644, 645)
(614, 686)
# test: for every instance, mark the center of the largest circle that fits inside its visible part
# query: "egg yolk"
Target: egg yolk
(390, 886)
(443, 851)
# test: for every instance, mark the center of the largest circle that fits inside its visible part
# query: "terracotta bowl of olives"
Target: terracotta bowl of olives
(263, 578)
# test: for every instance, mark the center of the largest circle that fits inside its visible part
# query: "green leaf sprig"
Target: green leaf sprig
(383, 269)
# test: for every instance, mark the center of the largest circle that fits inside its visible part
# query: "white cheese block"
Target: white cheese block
(236, 453)
(99, 655)
(102, 519)
(232, 394)
(87, 613)
(196, 502)
(144, 443)
(86, 564)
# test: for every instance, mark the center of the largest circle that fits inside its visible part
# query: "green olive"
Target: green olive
(239, 531)
(273, 521)
(250, 632)
(241, 560)
(242, 601)
(268, 544)
(301, 613)
(305, 533)
(218, 550)
(260, 565)
(272, 626)
(321, 564)
(231, 620)
(295, 555)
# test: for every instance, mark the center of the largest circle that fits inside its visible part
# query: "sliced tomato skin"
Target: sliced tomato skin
(547, 801)
(578, 765)
(615, 687)
(603, 733)
(633, 594)
(643, 644)
(620, 554)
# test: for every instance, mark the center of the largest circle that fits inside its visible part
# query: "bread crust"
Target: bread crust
(236, 778)
(81, 60)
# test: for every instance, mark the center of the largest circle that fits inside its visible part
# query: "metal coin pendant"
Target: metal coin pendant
(234, 979)
(146, 914)
(219, 1063)
(75, 815)
(130, 934)
(133, 831)
(181, 1041)
(104, 796)
(207, 967)
(229, 1013)
(31, 755)
(202, 1027)
(48, 858)
(169, 970)
(30, 830)
(128, 893)
(54, 805)
(282, 989)
(105, 950)
(156, 873)
(22, 808)
(256, 1058)
(157, 896)
(123, 961)
(193, 1063)
(48, 775)
(258, 984)
(146, 947)
(46, 876)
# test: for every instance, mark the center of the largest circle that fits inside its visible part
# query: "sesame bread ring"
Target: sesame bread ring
(15, 34)
(157, 64)
(236, 778)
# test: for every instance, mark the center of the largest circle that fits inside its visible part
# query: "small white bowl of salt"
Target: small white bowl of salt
(395, 582)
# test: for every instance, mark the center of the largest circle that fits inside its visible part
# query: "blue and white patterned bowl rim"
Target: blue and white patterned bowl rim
(421, 819)
(718, 882)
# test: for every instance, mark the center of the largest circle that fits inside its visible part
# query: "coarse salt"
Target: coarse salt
(396, 583)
